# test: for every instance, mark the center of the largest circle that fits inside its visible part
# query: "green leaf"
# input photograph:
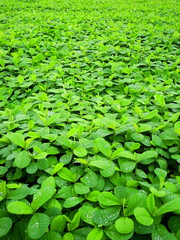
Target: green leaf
(161, 233)
(113, 234)
(174, 223)
(105, 216)
(93, 196)
(19, 193)
(5, 225)
(40, 155)
(17, 138)
(103, 146)
(90, 179)
(65, 192)
(124, 225)
(22, 160)
(75, 222)
(72, 201)
(100, 162)
(58, 224)
(151, 203)
(147, 154)
(2, 190)
(137, 136)
(173, 205)
(38, 225)
(18, 207)
(51, 236)
(150, 115)
(143, 216)
(108, 199)
(80, 152)
(157, 193)
(96, 233)
(68, 236)
(53, 118)
(157, 141)
(44, 193)
(127, 166)
(66, 174)
(86, 214)
(3, 170)
(64, 141)
(160, 99)
(177, 127)
(80, 188)
(56, 168)
(127, 154)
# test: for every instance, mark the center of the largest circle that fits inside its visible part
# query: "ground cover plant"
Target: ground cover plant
(89, 120)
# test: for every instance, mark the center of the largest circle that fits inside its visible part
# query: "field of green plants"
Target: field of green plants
(89, 120)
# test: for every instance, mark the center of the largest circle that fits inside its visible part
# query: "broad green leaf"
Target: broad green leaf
(19, 193)
(141, 229)
(40, 155)
(127, 166)
(86, 214)
(157, 193)
(5, 225)
(108, 199)
(124, 225)
(99, 162)
(160, 99)
(134, 199)
(18, 207)
(173, 205)
(137, 136)
(177, 127)
(80, 188)
(72, 201)
(144, 128)
(44, 193)
(56, 168)
(113, 234)
(174, 223)
(157, 141)
(38, 225)
(103, 146)
(127, 154)
(93, 196)
(108, 172)
(105, 216)
(55, 117)
(58, 224)
(143, 216)
(151, 203)
(75, 222)
(2, 190)
(64, 141)
(96, 233)
(51, 236)
(80, 152)
(68, 236)
(65, 192)
(147, 154)
(160, 173)
(66, 174)
(3, 170)
(17, 138)
(161, 233)
(150, 115)
(90, 179)
(22, 160)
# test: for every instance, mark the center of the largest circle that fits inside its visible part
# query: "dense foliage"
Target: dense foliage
(89, 120)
